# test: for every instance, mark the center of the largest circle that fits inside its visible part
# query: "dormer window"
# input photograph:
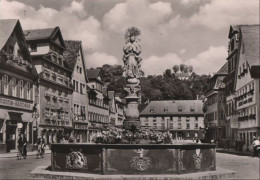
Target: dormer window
(151, 109)
(165, 109)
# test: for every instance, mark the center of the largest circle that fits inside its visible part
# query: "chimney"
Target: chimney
(197, 97)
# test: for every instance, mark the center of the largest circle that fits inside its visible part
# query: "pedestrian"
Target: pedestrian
(256, 143)
(22, 145)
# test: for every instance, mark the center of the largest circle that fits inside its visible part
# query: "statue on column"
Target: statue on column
(132, 65)
(131, 59)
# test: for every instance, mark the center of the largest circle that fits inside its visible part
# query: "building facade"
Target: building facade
(183, 118)
(230, 91)
(98, 111)
(215, 114)
(247, 83)
(121, 108)
(17, 83)
(54, 88)
(75, 60)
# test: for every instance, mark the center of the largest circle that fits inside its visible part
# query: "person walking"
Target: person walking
(256, 143)
(22, 145)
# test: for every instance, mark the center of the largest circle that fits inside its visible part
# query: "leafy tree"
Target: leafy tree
(182, 67)
(157, 87)
(168, 73)
(185, 69)
(190, 68)
(176, 68)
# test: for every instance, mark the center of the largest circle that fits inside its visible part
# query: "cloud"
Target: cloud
(209, 61)
(219, 14)
(73, 20)
(97, 59)
(182, 51)
(137, 13)
(156, 65)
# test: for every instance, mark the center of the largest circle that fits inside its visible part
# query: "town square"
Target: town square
(129, 89)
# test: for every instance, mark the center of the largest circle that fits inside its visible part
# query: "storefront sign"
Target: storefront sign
(234, 122)
(15, 103)
(81, 126)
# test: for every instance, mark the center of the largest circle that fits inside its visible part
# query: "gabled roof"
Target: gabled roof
(93, 74)
(6, 28)
(223, 70)
(37, 34)
(233, 29)
(44, 34)
(171, 107)
(250, 38)
(71, 52)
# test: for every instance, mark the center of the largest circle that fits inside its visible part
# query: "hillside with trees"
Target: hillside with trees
(158, 87)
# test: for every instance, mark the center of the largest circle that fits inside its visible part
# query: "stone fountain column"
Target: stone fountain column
(132, 64)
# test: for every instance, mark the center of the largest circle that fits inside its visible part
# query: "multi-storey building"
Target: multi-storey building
(215, 114)
(230, 92)
(98, 111)
(116, 110)
(17, 79)
(54, 88)
(121, 107)
(247, 83)
(75, 60)
(112, 108)
(183, 118)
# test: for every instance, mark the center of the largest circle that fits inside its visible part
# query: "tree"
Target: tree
(190, 68)
(185, 69)
(168, 73)
(182, 67)
(176, 68)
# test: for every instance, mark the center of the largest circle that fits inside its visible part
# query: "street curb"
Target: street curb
(44, 173)
(234, 153)
(15, 155)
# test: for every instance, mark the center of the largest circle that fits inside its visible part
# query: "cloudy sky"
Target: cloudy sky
(193, 32)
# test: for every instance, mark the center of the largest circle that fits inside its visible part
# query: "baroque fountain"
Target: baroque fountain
(133, 159)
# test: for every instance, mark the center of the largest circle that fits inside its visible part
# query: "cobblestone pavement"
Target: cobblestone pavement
(247, 167)
(11, 168)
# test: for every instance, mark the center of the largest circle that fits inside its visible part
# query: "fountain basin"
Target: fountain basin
(136, 159)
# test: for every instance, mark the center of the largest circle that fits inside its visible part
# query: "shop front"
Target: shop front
(12, 113)
(81, 132)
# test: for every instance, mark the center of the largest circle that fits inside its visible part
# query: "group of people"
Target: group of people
(22, 145)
